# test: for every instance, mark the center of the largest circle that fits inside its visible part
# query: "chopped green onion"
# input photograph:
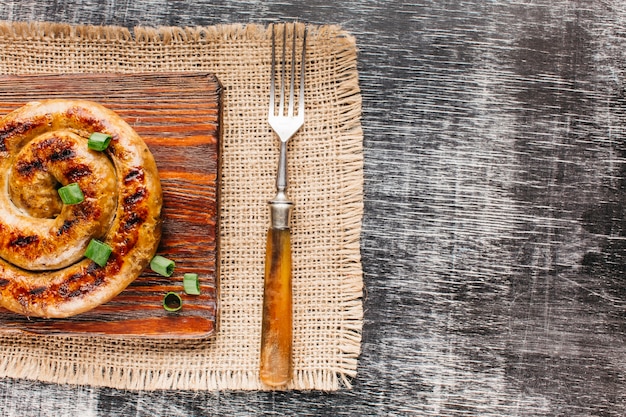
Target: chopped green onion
(172, 302)
(71, 194)
(98, 252)
(162, 265)
(98, 141)
(191, 284)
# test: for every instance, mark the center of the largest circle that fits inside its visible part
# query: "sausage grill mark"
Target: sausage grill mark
(77, 171)
(132, 221)
(15, 127)
(135, 198)
(62, 154)
(134, 174)
(66, 226)
(23, 241)
(27, 168)
(37, 291)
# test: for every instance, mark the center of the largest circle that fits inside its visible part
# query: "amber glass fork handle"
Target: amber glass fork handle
(276, 366)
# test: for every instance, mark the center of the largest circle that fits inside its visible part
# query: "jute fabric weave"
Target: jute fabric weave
(326, 184)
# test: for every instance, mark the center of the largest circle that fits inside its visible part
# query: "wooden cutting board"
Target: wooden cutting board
(179, 117)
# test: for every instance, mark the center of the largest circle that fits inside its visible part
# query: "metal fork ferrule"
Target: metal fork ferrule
(280, 211)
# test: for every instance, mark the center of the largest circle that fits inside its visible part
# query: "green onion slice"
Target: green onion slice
(98, 252)
(98, 141)
(71, 194)
(172, 302)
(162, 265)
(191, 284)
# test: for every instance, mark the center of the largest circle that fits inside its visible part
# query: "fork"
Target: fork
(276, 362)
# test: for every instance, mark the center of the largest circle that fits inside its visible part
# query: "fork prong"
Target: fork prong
(293, 72)
(272, 109)
(281, 106)
(301, 94)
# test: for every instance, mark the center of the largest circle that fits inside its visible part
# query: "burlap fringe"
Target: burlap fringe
(352, 167)
(46, 369)
(48, 31)
(148, 380)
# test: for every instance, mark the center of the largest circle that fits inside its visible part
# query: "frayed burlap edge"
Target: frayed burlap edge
(41, 31)
(41, 366)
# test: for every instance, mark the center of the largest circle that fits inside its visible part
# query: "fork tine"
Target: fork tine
(281, 109)
(272, 109)
(293, 71)
(301, 94)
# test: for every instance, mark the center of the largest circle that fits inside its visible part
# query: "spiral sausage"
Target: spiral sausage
(43, 145)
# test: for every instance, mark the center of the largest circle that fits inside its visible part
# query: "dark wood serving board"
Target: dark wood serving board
(179, 117)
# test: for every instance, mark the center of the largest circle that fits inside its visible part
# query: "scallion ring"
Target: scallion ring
(98, 252)
(98, 141)
(172, 302)
(191, 284)
(162, 266)
(71, 194)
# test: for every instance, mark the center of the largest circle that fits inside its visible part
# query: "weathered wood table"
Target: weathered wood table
(494, 239)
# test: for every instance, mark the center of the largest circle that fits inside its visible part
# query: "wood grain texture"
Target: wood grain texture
(178, 118)
(493, 240)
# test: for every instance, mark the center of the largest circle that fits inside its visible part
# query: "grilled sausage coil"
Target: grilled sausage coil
(43, 145)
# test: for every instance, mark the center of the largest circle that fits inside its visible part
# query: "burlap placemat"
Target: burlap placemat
(326, 183)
